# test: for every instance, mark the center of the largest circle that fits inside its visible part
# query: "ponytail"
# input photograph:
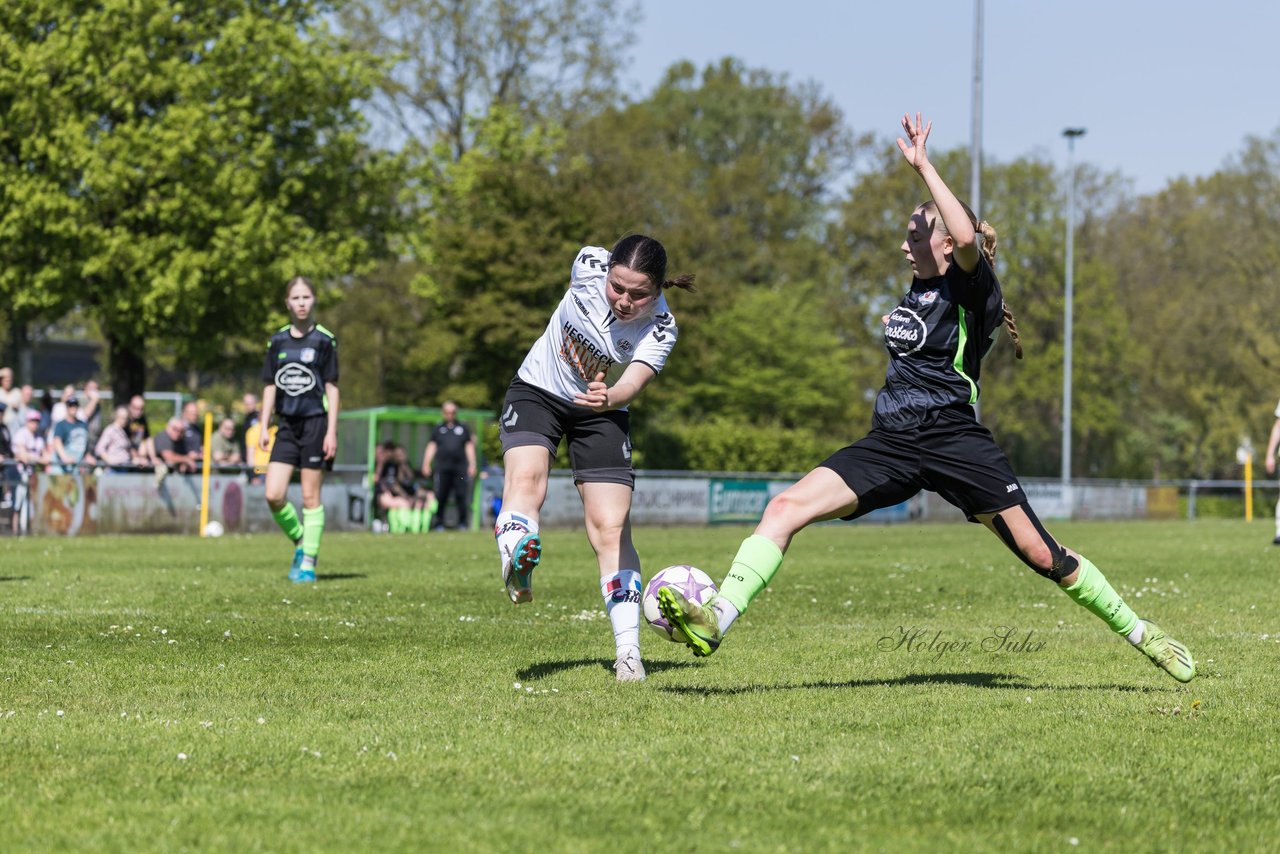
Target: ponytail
(987, 240)
(685, 283)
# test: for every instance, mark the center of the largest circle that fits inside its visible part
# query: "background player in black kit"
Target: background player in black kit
(450, 458)
(301, 393)
(925, 434)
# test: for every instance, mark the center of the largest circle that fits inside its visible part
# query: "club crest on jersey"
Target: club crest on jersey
(294, 380)
(308, 354)
(624, 346)
(929, 297)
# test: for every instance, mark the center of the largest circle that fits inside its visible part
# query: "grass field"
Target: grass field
(162, 693)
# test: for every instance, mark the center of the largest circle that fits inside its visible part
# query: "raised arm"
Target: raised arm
(964, 241)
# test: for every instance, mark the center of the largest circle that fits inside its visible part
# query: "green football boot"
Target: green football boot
(1166, 653)
(699, 624)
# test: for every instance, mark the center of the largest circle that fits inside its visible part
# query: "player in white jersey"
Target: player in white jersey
(613, 314)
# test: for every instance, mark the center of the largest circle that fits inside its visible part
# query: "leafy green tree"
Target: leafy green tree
(1197, 263)
(733, 169)
(167, 167)
(502, 229)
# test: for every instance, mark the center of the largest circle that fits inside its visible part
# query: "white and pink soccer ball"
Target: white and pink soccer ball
(689, 581)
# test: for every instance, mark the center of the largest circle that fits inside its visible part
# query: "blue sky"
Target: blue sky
(1164, 89)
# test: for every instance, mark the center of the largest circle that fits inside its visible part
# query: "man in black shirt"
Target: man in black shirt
(451, 458)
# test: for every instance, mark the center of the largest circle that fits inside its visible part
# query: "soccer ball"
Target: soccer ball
(690, 582)
(213, 529)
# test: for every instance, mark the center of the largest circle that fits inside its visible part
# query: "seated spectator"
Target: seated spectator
(71, 438)
(193, 431)
(29, 446)
(225, 446)
(114, 449)
(171, 450)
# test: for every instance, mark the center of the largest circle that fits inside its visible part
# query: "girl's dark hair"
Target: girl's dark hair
(299, 280)
(646, 255)
(986, 235)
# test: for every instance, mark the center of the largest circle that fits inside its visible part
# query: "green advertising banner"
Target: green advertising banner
(736, 501)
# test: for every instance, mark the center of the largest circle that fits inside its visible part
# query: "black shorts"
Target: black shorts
(955, 457)
(599, 442)
(300, 442)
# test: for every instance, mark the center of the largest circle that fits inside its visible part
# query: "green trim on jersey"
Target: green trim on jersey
(320, 328)
(958, 363)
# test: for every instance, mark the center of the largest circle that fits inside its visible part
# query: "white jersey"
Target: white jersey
(584, 337)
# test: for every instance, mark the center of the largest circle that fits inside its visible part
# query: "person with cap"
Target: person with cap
(71, 438)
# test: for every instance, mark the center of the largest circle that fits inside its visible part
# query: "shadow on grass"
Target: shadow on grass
(550, 668)
(15, 577)
(338, 576)
(999, 681)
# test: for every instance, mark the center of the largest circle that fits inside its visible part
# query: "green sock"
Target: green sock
(432, 506)
(395, 520)
(753, 568)
(415, 517)
(1093, 592)
(312, 529)
(287, 518)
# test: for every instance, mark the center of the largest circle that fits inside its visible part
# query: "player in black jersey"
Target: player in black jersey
(925, 434)
(301, 393)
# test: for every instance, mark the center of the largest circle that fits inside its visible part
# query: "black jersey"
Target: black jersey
(936, 339)
(299, 369)
(451, 445)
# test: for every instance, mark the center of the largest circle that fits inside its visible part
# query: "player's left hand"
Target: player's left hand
(330, 445)
(596, 397)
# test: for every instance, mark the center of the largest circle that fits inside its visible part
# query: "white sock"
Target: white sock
(508, 530)
(621, 592)
(1139, 631)
(725, 612)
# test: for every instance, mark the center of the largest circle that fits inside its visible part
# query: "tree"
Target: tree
(168, 168)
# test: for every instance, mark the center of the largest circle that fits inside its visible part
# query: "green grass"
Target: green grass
(403, 704)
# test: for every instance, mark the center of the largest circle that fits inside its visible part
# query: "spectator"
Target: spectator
(252, 415)
(8, 465)
(451, 457)
(71, 438)
(91, 411)
(28, 394)
(138, 429)
(1273, 444)
(12, 400)
(113, 448)
(46, 407)
(258, 455)
(224, 445)
(171, 450)
(193, 432)
(29, 446)
(59, 411)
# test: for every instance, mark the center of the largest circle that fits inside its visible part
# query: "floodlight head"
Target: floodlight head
(1072, 133)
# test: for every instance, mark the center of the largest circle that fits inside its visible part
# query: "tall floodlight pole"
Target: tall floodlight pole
(975, 141)
(975, 138)
(1068, 303)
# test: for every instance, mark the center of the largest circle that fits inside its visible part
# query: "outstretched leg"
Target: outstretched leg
(1020, 530)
